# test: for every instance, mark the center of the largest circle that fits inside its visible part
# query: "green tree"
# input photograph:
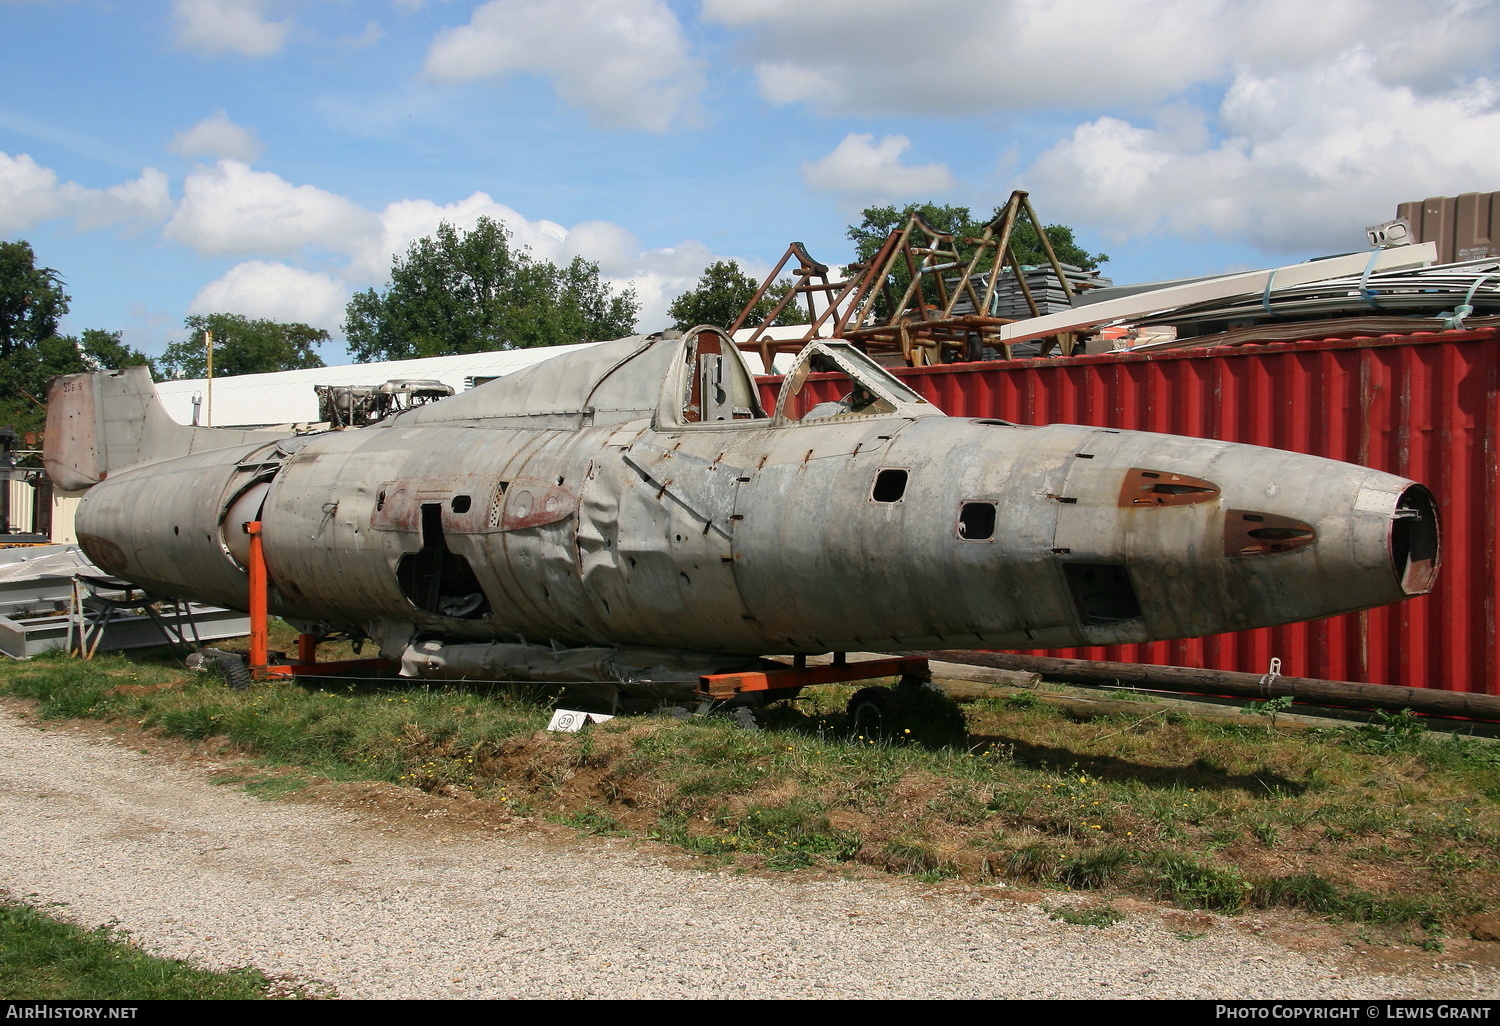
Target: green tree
(106, 350)
(32, 301)
(24, 377)
(32, 353)
(242, 346)
(470, 291)
(722, 292)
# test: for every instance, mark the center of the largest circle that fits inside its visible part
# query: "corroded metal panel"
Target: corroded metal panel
(104, 422)
(166, 529)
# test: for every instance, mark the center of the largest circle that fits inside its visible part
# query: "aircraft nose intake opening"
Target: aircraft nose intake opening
(1414, 541)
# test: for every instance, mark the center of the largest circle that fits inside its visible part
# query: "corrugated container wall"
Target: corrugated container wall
(1465, 227)
(20, 508)
(1422, 406)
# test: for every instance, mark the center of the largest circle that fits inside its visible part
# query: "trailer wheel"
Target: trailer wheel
(232, 667)
(915, 712)
(869, 713)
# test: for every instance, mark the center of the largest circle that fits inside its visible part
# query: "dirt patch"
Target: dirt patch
(1482, 928)
(411, 808)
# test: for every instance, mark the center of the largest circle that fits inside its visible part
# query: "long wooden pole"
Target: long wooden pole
(208, 345)
(1240, 685)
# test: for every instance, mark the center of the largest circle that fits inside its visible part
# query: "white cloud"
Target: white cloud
(229, 208)
(232, 209)
(661, 275)
(31, 194)
(1299, 161)
(405, 221)
(275, 291)
(228, 26)
(617, 252)
(860, 55)
(863, 171)
(28, 193)
(147, 199)
(217, 137)
(625, 62)
(1438, 47)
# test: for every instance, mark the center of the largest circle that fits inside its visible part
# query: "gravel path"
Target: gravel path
(378, 910)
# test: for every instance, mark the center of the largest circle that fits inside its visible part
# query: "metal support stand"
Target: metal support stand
(259, 636)
(307, 665)
(96, 602)
(775, 676)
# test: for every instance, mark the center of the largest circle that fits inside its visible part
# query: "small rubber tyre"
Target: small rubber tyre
(232, 667)
(869, 713)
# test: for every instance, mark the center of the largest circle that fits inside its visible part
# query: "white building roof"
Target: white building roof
(287, 397)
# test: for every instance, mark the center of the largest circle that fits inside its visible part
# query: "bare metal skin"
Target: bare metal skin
(634, 499)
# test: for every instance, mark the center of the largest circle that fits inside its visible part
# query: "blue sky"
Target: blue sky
(269, 157)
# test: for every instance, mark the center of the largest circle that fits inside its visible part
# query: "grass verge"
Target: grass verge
(1384, 824)
(43, 959)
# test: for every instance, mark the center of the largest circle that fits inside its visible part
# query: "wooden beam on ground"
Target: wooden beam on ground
(1431, 701)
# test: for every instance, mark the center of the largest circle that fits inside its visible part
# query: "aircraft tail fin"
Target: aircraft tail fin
(102, 422)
